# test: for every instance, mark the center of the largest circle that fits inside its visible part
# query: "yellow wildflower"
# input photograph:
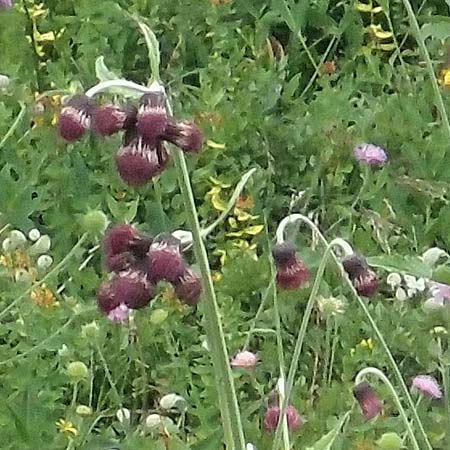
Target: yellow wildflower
(66, 427)
(43, 296)
(444, 78)
(367, 343)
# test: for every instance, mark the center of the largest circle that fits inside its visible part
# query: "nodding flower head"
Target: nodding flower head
(109, 119)
(368, 400)
(152, 117)
(370, 154)
(75, 118)
(272, 416)
(138, 161)
(364, 279)
(184, 134)
(188, 287)
(165, 261)
(291, 270)
(106, 299)
(427, 385)
(132, 288)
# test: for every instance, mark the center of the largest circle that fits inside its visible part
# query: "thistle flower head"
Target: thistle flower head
(152, 117)
(362, 277)
(244, 360)
(106, 299)
(272, 416)
(132, 289)
(370, 154)
(368, 401)
(188, 287)
(291, 270)
(109, 119)
(165, 261)
(138, 161)
(440, 291)
(75, 117)
(427, 385)
(184, 134)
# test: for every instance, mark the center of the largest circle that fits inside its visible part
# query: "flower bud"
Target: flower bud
(75, 118)
(17, 238)
(173, 401)
(90, 330)
(23, 276)
(390, 441)
(84, 411)
(364, 279)
(109, 119)
(7, 245)
(185, 135)
(34, 234)
(4, 80)
(123, 416)
(272, 416)
(165, 261)
(368, 400)
(42, 245)
(138, 162)
(77, 371)
(244, 360)
(188, 287)
(44, 262)
(152, 117)
(155, 422)
(94, 222)
(291, 271)
(132, 289)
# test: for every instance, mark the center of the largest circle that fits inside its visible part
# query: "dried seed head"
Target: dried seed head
(165, 261)
(108, 119)
(152, 117)
(291, 270)
(272, 416)
(185, 135)
(138, 162)
(368, 400)
(75, 118)
(188, 287)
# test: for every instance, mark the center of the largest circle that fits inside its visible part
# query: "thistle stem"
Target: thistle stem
(380, 375)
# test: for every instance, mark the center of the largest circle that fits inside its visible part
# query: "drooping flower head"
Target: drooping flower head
(427, 385)
(363, 278)
(184, 134)
(291, 270)
(272, 416)
(370, 154)
(165, 260)
(109, 119)
(368, 400)
(138, 161)
(244, 360)
(152, 117)
(75, 117)
(188, 287)
(133, 289)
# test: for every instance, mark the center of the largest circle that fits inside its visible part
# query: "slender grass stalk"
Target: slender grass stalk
(14, 125)
(108, 375)
(362, 304)
(328, 344)
(430, 69)
(380, 375)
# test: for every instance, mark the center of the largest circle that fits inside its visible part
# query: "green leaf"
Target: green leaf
(412, 265)
(153, 48)
(326, 442)
(440, 30)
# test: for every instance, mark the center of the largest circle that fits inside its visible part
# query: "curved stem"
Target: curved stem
(380, 375)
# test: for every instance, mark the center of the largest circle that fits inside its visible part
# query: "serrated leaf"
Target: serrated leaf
(440, 30)
(412, 265)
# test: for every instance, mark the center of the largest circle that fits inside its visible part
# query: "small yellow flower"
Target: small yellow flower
(66, 427)
(43, 296)
(367, 343)
(445, 77)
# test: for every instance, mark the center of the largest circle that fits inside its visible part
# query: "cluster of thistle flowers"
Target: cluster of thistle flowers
(143, 154)
(292, 272)
(25, 257)
(372, 406)
(137, 263)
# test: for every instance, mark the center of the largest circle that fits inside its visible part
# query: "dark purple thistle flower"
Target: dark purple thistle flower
(185, 135)
(165, 261)
(362, 277)
(291, 270)
(272, 416)
(368, 400)
(152, 117)
(138, 162)
(109, 119)
(106, 300)
(75, 118)
(188, 287)
(370, 154)
(5, 4)
(133, 289)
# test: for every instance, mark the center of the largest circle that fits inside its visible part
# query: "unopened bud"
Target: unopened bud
(44, 262)
(77, 370)
(42, 245)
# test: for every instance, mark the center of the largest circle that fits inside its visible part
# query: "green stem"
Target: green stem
(430, 69)
(333, 352)
(231, 416)
(326, 358)
(380, 375)
(14, 125)
(108, 375)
